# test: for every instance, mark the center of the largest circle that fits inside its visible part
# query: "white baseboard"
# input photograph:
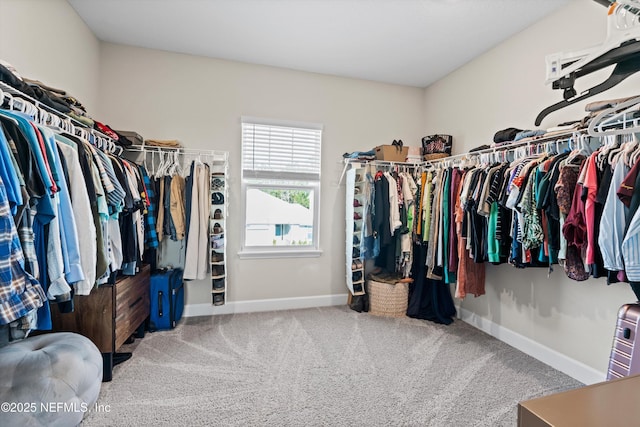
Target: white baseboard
(275, 304)
(575, 369)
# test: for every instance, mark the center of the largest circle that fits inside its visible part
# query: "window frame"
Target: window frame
(291, 182)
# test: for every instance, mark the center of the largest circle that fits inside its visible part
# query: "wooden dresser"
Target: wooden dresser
(609, 403)
(109, 315)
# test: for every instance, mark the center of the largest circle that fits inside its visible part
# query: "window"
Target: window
(281, 188)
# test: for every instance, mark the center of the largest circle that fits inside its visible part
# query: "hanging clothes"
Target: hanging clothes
(470, 274)
(428, 299)
(20, 293)
(67, 197)
(197, 265)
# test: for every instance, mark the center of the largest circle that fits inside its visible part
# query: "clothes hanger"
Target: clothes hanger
(519, 153)
(607, 143)
(24, 107)
(175, 167)
(53, 121)
(112, 146)
(614, 154)
(31, 109)
(41, 116)
(9, 97)
(159, 166)
(145, 164)
(82, 133)
(622, 70)
(622, 117)
(585, 142)
(633, 158)
(576, 146)
(169, 163)
(611, 118)
(505, 156)
(66, 126)
(621, 47)
(630, 147)
(10, 100)
(485, 158)
(163, 164)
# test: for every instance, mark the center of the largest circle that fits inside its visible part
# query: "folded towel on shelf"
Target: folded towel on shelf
(59, 92)
(603, 105)
(505, 135)
(87, 121)
(361, 155)
(171, 143)
(528, 134)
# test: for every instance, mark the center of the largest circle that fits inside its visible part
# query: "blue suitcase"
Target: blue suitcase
(167, 299)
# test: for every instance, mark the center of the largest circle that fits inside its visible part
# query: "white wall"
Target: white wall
(199, 101)
(46, 40)
(504, 88)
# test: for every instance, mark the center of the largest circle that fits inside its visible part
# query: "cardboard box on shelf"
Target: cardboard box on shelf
(391, 153)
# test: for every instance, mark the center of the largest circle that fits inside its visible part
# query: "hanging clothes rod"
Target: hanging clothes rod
(626, 125)
(529, 142)
(348, 162)
(383, 162)
(221, 156)
(506, 147)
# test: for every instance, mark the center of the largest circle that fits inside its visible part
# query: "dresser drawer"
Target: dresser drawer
(131, 305)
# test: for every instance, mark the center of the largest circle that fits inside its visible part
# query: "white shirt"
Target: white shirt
(612, 222)
(394, 207)
(83, 217)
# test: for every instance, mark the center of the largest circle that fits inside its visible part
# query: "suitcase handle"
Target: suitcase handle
(160, 303)
(174, 303)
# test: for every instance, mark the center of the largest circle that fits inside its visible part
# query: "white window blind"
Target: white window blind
(275, 151)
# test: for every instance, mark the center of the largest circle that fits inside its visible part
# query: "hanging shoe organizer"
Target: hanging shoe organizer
(354, 220)
(217, 232)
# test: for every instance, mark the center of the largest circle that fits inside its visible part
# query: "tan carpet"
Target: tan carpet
(321, 367)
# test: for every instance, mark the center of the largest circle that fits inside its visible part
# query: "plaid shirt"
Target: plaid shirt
(27, 240)
(150, 233)
(20, 293)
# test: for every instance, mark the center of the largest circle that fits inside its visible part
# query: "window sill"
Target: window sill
(285, 253)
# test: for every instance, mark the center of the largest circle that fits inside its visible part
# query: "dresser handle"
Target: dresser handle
(135, 302)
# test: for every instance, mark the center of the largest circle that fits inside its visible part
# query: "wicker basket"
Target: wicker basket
(388, 300)
(435, 156)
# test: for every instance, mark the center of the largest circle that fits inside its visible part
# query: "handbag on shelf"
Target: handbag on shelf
(436, 146)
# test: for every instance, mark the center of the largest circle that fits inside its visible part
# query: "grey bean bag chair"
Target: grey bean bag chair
(49, 380)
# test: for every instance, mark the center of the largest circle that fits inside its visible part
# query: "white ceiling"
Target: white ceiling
(408, 42)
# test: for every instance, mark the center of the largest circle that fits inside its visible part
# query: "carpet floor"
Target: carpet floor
(326, 366)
